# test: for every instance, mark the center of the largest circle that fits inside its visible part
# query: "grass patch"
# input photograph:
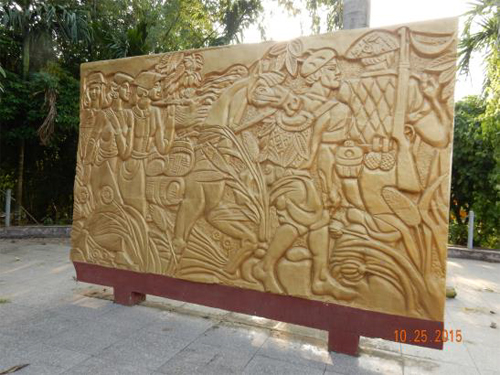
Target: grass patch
(4, 300)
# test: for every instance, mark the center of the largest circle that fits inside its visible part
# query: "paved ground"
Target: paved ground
(56, 325)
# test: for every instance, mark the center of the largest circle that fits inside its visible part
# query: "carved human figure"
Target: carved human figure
(146, 139)
(94, 98)
(333, 120)
(300, 212)
(94, 101)
(300, 208)
(287, 168)
(108, 138)
(121, 117)
(205, 190)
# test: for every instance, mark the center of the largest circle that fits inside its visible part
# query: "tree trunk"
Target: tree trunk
(26, 56)
(20, 175)
(20, 164)
(356, 14)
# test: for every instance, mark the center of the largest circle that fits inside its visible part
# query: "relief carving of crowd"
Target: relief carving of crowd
(306, 173)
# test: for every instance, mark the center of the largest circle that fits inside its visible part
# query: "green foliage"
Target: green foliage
(2, 75)
(476, 170)
(50, 169)
(332, 8)
(486, 13)
(52, 38)
(476, 173)
(35, 17)
(136, 27)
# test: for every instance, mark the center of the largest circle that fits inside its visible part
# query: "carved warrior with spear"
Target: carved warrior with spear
(416, 108)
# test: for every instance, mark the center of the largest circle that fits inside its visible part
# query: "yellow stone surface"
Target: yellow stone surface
(317, 168)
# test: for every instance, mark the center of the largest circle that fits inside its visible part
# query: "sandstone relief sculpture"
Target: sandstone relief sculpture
(317, 168)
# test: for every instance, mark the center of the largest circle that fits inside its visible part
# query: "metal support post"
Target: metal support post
(470, 238)
(8, 197)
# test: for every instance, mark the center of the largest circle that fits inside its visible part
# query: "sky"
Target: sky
(282, 26)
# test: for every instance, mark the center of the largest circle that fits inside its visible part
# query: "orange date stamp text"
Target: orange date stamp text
(417, 336)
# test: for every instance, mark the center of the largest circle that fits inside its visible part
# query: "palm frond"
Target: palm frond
(484, 14)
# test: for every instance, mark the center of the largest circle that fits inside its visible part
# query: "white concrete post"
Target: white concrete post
(356, 14)
(8, 197)
(470, 238)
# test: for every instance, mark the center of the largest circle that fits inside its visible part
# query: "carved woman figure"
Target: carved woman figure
(94, 101)
(145, 137)
(108, 139)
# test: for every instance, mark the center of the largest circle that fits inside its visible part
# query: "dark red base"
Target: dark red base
(344, 324)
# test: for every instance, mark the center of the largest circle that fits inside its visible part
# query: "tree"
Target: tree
(32, 21)
(2, 75)
(49, 168)
(486, 13)
(123, 28)
(477, 123)
(332, 9)
(473, 176)
(51, 87)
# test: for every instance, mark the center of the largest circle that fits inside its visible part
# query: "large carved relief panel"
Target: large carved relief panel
(317, 168)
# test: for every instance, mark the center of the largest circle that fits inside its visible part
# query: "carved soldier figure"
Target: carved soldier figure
(334, 122)
(205, 190)
(297, 200)
(300, 212)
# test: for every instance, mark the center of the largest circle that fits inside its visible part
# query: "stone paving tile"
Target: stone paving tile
(41, 354)
(86, 307)
(369, 343)
(8, 361)
(200, 358)
(178, 325)
(96, 366)
(377, 362)
(41, 327)
(91, 337)
(485, 357)
(296, 351)
(205, 310)
(481, 336)
(302, 331)
(13, 343)
(453, 352)
(12, 312)
(52, 294)
(138, 316)
(252, 320)
(165, 301)
(241, 339)
(50, 323)
(39, 369)
(265, 365)
(478, 314)
(144, 349)
(418, 366)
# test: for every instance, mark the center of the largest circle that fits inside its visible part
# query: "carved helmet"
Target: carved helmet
(147, 80)
(121, 78)
(95, 78)
(316, 61)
